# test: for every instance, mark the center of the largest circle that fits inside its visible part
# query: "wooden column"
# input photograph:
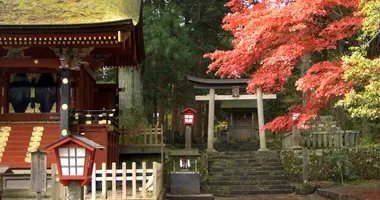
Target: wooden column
(260, 114)
(211, 113)
(65, 102)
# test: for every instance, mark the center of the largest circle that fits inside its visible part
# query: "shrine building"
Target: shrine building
(48, 57)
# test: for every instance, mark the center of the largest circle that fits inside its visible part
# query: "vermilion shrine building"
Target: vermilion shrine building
(48, 57)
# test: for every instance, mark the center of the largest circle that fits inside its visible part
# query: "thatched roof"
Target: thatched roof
(67, 12)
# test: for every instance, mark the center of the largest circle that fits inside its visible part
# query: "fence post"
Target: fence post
(124, 179)
(54, 184)
(113, 180)
(104, 181)
(84, 191)
(144, 179)
(133, 180)
(62, 191)
(93, 183)
(155, 180)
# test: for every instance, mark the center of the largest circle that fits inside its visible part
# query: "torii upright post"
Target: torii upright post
(211, 113)
(260, 112)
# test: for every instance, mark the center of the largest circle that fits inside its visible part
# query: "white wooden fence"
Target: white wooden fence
(150, 180)
(135, 183)
(323, 140)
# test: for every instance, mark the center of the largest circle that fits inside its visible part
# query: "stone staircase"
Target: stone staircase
(236, 146)
(234, 173)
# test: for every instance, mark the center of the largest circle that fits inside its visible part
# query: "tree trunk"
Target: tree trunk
(131, 95)
(161, 101)
(198, 129)
(175, 103)
(305, 65)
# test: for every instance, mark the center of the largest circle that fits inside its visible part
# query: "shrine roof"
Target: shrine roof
(68, 12)
(201, 83)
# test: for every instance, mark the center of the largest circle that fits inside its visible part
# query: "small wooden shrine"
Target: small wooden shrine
(242, 122)
(49, 53)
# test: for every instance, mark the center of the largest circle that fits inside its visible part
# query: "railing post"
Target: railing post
(151, 135)
(93, 183)
(145, 130)
(157, 134)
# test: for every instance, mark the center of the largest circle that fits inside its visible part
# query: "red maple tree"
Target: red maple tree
(275, 35)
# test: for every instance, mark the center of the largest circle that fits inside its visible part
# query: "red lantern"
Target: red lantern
(188, 116)
(75, 158)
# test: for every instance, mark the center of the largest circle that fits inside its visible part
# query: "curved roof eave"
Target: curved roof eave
(202, 83)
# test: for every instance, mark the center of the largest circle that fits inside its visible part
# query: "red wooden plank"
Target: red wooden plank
(27, 63)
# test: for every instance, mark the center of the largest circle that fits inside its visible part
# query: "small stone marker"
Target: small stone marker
(38, 172)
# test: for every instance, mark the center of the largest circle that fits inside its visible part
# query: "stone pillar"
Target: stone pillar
(260, 114)
(188, 137)
(74, 191)
(211, 113)
(296, 138)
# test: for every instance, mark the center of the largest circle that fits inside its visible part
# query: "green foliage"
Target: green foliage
(342, 165)
(176, 35)
(377, 164)
(292, 164)
(133, 118)
(106, 75)
(323, 164)
(362, 67)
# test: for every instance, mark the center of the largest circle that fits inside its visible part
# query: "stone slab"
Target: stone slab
(184, 152)
(185, 183)
(190, 197)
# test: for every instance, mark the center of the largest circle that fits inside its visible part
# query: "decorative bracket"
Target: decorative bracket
(72, 58)
(15, 52)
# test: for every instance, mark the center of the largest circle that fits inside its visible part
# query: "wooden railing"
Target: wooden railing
(287, 141)
(323, 140)
(93, 116)
(142, 137)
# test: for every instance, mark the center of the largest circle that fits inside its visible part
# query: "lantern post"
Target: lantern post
(188, 116)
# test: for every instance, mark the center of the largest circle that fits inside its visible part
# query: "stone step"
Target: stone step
(250, 192)
(242, 163)
(243, 178)
(252, 159)
(242, 170)
(250, 187)
(248, 174)
(249, 182)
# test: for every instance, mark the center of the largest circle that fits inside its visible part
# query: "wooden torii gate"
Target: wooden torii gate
(234, 84)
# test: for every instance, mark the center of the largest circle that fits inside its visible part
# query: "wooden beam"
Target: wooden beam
(90, 72)
(230, 97)
(28, 63)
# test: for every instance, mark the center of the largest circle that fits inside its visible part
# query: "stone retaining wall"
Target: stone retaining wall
(356, 164)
